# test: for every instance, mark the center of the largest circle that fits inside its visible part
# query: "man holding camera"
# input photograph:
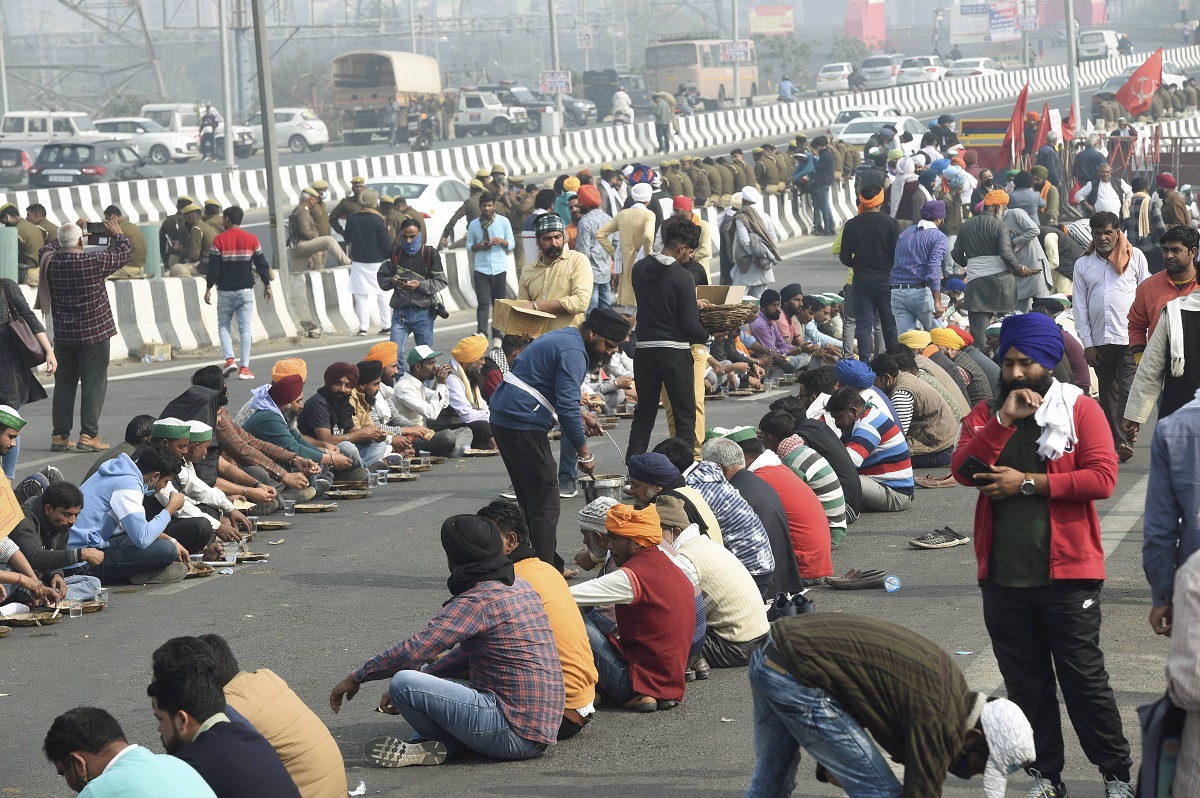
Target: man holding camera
(414, 275)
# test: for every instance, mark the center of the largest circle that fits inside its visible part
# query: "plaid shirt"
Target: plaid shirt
(503, 635)
(78, 298)
(741, 529)
(919, 255)
(247, 450)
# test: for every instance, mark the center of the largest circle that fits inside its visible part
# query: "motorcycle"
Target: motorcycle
(622, 118)
(420, 134)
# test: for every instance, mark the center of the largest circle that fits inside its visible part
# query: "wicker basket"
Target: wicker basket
(725, 318)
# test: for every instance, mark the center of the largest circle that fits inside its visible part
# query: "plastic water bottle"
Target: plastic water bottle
(891, 583)
(147, 359)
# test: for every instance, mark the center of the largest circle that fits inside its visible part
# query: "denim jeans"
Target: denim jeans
(241, 304)
(123, 559)
(790, 716)
(822, 211)
(350, 450)
(615, 682)
(10, 460)
(454, 714)
(568, 460)
(871, 301)
(372, 453)
(911, 306)
(419, 322)
(81, 588)
(602, 296)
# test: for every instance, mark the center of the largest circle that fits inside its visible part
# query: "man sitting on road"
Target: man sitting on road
(777, 430)
(877, 446)
(189, 525)
(42, 537)
(652, 474)
(570, 635)
(364, 399)
(928, 423)
(464, 390)
(383, 411)
(496, 628)
(328, 418)
(416, 401)
(269, 403)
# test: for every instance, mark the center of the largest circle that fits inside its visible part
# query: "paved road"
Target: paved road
(343, 586)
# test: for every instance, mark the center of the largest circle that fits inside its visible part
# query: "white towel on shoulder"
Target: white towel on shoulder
(1056, 417)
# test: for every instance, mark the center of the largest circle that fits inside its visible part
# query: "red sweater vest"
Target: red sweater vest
(656, 629)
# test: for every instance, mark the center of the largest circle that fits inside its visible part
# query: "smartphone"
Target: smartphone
(96, 228)
(973, 466)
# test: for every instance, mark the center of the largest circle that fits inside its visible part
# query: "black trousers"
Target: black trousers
(488, 288)
(1114, 373)
(664, 137)
(873, 301)
(1039, 633)
(653, 370)
(194, 534)
(534, 474)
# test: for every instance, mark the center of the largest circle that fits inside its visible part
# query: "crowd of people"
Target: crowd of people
(968, 342)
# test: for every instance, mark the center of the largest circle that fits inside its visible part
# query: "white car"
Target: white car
(833, 77)
(437, 198)
(973, 67)
(1098, 44)
(880, 71)
(298, 128)
(848, 115)
(1171, 74)
(921, 69)
(152, 141)
(861, 129)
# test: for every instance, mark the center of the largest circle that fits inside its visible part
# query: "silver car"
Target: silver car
(880, 71)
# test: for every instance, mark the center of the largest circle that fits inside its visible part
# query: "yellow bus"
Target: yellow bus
(703, 64)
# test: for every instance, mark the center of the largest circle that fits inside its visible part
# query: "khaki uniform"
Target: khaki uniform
(343, 209)
(30, 240)
(469, 209)
(674, 184)
(714, 185)
(703, 190)
(49, 228)
(320, 217)
(727, 178)
(135, 267)
(168, 234)
(747, 173)
(396, 217)
(196, 243)
(308, 245)
(216, 221)
(688, 189)
(766, 171)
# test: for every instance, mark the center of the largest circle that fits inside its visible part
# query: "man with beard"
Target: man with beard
(669, 324)
(269, 407)
(1174, 206)
(785, 354)
(364, 400)
(328, 418)
(385, 413)
(540, 389)
(189, 703)
(464, 387)
(1037, 543)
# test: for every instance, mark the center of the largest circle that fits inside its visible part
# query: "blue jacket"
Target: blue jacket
(555, 364)
(1172, 522)
(112, 503)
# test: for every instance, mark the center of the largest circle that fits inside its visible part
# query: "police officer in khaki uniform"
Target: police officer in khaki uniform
(689, 188)
(674, 184)
(728, 176)
(320, 215)
(30, 240)
(169, 245)
(135, 267)
(196, 238)
(347, 206)
(36, 214)
(699, 180)
(784, 163)
(212, 215)
(469, 209)
(745, 174)
(308, 246)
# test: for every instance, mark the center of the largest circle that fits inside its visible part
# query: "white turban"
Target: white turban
(750, 195)
(1010, 744)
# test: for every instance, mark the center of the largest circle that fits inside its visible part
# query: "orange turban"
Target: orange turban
(292, 365)
(996, 196)
(589, 196)
(641, 526)
(387, 353)
(470, 349)
(873, 202)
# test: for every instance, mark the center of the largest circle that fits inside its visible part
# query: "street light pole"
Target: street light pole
(558, 104)
(226, 88)
(1072, 62)
(3, 75)
(737, 79)
(412, 27)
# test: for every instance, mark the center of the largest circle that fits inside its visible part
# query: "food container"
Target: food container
(602, 485)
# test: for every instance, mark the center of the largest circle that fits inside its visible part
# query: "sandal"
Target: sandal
(857, 580)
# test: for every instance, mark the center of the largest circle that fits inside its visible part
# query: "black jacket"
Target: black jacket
(869, 246)
(666, 302)
(198, 403)
(759, 494)
(819, 437)
(46, 550)
(425, 266)
(367, 237)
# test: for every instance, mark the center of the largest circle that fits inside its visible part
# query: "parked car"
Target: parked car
(299, 128)
(481, 112)
(185, 118)
(833, 78)
(1097, 44)
(921, 69)
(907, 127)
(152, 141)
(78, 163)
(1171, 75)
(973, 67)
(848, 115)
(880, 71)
(15, 159)
(519, 96)
(49, 125)
(437, 198)
(577, 111)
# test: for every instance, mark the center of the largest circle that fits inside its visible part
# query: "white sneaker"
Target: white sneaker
(1044, 788)
(508, 493)
(1117, 789)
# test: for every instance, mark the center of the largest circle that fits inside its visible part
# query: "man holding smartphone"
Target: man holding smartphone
(1049, 457)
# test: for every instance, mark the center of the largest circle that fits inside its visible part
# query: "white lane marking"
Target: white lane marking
(54, 459)
(404, 507)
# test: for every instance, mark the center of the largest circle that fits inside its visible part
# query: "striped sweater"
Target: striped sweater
(234, 258)
(876, 445)
(816, 472)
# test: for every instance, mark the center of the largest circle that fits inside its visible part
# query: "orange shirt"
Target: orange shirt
(1152, 296)
(566, 623)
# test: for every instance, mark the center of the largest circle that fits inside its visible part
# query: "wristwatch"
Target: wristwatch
(1027, 486)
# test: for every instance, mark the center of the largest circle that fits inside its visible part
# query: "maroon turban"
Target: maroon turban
(287, 389)
(338, 370)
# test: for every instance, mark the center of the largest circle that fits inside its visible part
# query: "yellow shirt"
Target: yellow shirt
(566, 623)
(567, 280)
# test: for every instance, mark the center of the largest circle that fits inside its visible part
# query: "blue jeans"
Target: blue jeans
(822, 211)
(123, 559)
(602, 296)
(788, 717)
(241, 304)
(419, 322)
(568, 460)
(81, 588)
(615, 682)
(10, 460)
(911, 306)
(350, 450)
(371, 453)
(454, 714)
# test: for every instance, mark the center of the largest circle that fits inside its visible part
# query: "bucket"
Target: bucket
(602, 485)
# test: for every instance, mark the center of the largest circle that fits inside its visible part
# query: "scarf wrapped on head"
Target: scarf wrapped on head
(788, 445)
(641, 526)
(475, 553)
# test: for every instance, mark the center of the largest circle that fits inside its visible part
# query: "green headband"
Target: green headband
(171, 429)
(10, 418)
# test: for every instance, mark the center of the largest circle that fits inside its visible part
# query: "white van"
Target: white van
(185, 118)
(1097, 44)
(50, 125)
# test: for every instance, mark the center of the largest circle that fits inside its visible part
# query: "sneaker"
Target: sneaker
(175, 572)
(939, 539)
(244, 374)
(390, 752)
(33, 485)
(361, 332)
(567, 488)
(322, 484)
(1044, 788)
(1117, 789)
(229, 368)
(385, 331)
(61, 443)
(508, 493)
(91, 443)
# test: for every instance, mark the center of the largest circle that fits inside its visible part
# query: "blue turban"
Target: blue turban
(954, 284)
(856, 373)
(939, 165)
(927, 179)
(1036, 335)
(933, 210)
(655, 469)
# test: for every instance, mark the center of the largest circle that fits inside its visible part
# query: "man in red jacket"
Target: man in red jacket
(1046, 455)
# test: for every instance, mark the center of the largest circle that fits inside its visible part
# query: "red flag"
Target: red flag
(1042, 129)
(1014, 139)
(1068, 127)
(1139, 90)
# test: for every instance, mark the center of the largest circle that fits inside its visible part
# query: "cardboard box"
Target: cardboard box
(156, 351)
(512, 320)
(721, 294)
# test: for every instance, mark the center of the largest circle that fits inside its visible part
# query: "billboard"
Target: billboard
(994, 21)
(771, 20)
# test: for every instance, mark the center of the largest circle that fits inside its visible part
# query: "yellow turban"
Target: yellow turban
(292, 365)
(470, 349)
(571, 184)
(996, 196)
(915, 339)
(386, 353)
(942, 336)
(641, 526)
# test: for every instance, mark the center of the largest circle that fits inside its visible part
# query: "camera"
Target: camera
(439, 309)
(96, 234)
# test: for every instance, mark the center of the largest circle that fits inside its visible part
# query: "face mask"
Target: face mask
(147, 489)
(414, 246)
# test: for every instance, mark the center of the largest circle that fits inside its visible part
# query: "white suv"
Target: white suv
(299, 128)
(152, 141)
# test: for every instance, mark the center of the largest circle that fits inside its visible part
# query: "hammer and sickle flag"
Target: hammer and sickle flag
(1139, 90)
